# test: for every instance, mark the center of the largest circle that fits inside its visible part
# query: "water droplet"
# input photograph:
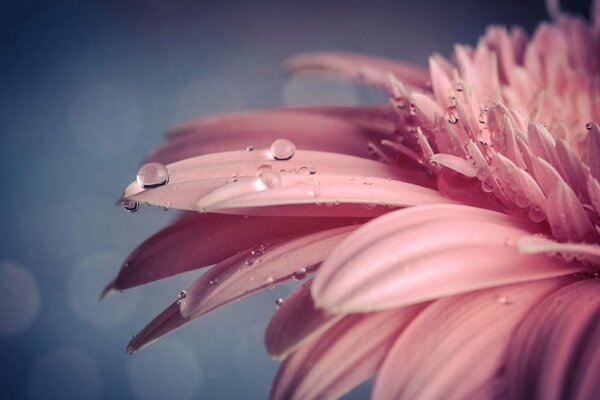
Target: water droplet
(263, 169)
(367, 181)
(589, 126)
(270, 280)
(283, 149)
(152, 175)
(235, 178)
(300, 274)
(413, 109)
(459, 87)
(278, 302)
(182, 295)
(487, 186)
(250, 148)
(130, 205)
(400, 104)
(312, 170)
(213, 282)
(271, 180)
(504, 300)
(258, 250)
(451, 115)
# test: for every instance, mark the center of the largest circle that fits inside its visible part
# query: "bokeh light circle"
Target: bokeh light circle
(19, 299)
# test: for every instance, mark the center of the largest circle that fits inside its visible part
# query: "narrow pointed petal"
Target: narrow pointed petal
(553, 353)
(424, 363)
(457, 164)
(567, 216)
(371, 70)
(194, 177)
(342, 357)
(200, 240)
(343, 130)
(258, 268)
(594, 150)
(324, 189)
(571, 168)
(579, 251)
(295, 322)
(416, 259)
(164, 323)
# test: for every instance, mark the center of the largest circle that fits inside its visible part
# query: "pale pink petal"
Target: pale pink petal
(567, 216)
(194, 177)
(201, 240)
(322, 189)
(579, 251)
(553, 353)
(466, 348)
(457, 164)
(440, 81)
(542, 144)
(371, 70)
(257, 268)
(295, 322)
(342, 357)
(343, 130)
(594, 192)
(571, 168)
(546, 175)
(401, 259)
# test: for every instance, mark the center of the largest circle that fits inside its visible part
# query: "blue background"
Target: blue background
(86, 90)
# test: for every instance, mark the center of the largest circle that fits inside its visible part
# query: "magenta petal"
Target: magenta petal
(200, 240)
(371, 70)
(296, 321)
(554, 352)
(342, 357)
(456, 346)
(164, 323)
(262, 266)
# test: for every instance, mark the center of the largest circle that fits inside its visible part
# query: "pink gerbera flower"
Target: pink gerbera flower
(448, 239)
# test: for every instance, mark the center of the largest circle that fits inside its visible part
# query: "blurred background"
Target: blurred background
(86, 90)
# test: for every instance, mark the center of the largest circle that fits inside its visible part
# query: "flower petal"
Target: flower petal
(200, 240)
(338, 130)
(465, 350)
(342, 357)
(371, 70)
(295, 322)
(164, 323)
(194, 177)
(420, 254)
(553, 353)
(258, 268)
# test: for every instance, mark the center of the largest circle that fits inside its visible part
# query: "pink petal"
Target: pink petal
(342, 357)
(164, 323)
(571, 168)
(567, 216)
(257, 268)
(465, 350)
(553, 353)
(200, 240)
(371, 70)
(594, 150)
(324, 189)
(338, 130)
(541, 143)
(295, 322)
(580, 251)
(195, 177)
(457, 164)
(424, 253)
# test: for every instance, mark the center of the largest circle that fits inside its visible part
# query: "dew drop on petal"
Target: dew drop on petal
(283, 149)
(536, 214)
(213, 282)
(130, 205)
(152, 175)
(367, 181)
(263, 169)
(278, 302)
(250, 148)
(589, 126)
(486, 186)
(300, 274)
(504, 300)
(271, 180)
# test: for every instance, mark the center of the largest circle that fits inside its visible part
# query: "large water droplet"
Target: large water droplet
(283, 149)
(152, 175)
(487, 186)
(589, 126)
